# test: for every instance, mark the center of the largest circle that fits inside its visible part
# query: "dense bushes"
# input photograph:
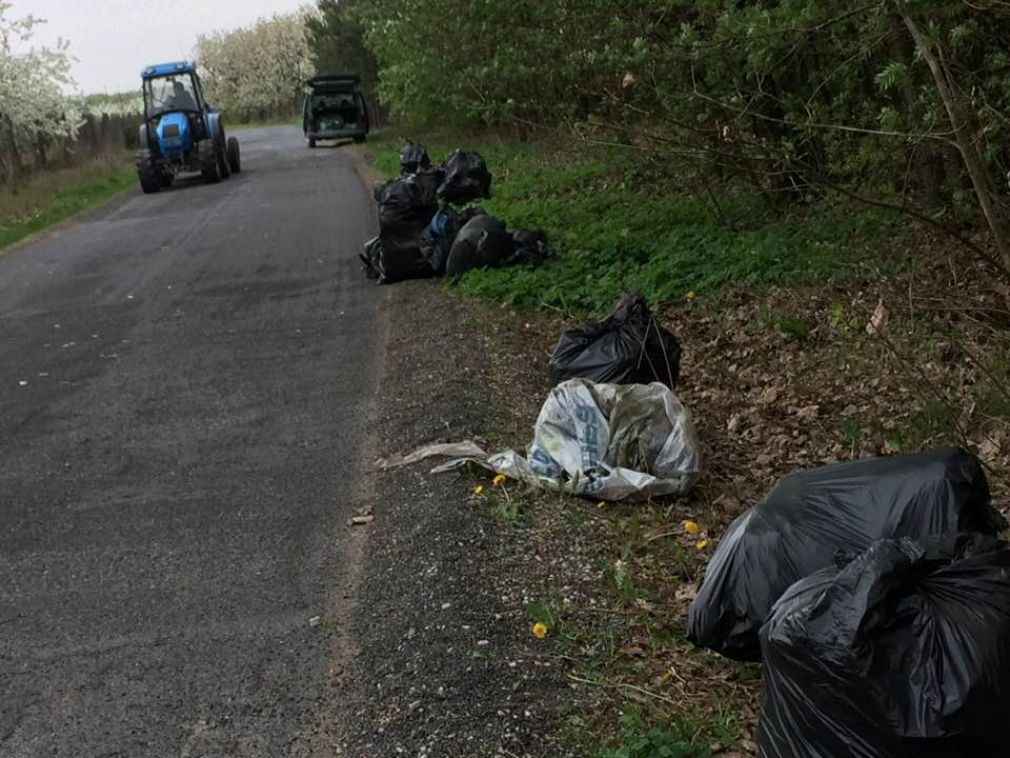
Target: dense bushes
(882, 100)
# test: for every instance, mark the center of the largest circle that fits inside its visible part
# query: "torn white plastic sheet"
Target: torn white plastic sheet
(466, 448)
(604, 441)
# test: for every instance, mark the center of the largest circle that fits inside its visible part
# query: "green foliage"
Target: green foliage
(789, 99)
(640, 742)
(609, 231)
(337, 39)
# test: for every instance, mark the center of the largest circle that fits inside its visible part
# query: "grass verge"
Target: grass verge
(781, 373)
(617, 222)
(55, 196)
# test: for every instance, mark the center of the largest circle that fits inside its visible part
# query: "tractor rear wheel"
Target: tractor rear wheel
(147, 172)
(210, 168)
(234, 159)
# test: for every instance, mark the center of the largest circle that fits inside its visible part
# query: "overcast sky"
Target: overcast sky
(113, 39)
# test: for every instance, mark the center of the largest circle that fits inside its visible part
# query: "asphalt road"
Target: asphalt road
(186, 385)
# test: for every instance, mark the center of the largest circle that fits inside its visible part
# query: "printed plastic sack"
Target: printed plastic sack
(627, 347)
(482, 241)
(904, 653)
(406, 205)
(466, 178)
(607, 442)
(810, 516)
(414, 158)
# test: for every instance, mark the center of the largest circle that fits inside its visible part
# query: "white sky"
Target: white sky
(113, 40)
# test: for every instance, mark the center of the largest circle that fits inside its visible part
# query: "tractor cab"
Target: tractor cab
(174, 108)
(181, 132)
(334, 108)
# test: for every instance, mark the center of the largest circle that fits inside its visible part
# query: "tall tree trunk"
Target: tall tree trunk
(927, 159)
(981, 179)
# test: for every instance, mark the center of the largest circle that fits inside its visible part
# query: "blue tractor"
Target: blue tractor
(180, 131)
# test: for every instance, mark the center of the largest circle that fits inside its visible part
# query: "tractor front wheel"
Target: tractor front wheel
(147, 172)
(222, 164)
(234, 160)
(210, 168)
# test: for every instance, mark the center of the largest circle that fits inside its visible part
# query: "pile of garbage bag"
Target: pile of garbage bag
(627, 347)
(413, 158)
(877, 595)
(903, 652)
(811, 516)
(422, 235)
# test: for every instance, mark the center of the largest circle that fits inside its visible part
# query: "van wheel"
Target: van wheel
(312, 142)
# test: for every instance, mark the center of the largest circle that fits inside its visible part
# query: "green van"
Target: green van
(334, 108)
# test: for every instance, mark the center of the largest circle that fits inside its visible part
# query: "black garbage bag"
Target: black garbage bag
(481, 241)
(627, 347)
(371, 259)
(406, 205)
(466, 178)
(414, 158)
(530, 247)
(903, 653)
(810, 516)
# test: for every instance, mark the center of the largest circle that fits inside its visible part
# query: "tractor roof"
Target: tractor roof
(167, 69)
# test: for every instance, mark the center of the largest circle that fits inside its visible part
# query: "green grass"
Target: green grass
(51, 198)
(688, 736)
(615, 224)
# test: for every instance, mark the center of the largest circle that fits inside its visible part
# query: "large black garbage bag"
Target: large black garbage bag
(371, 258)
(627, 347)
(437, 239)
(414, 158)
(810, 516)
(466, 178)
(406, 205)
(530, 247)
(482, 241)
(904, 653)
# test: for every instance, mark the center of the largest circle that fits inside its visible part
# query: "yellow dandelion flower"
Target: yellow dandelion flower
(691, 527)
(701, 544)
(540, 630)
(601, 505)
(479, 489)
(691, 296)
(499, 480)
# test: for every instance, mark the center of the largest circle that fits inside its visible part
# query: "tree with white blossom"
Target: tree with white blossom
(35, 106)
(257, 71)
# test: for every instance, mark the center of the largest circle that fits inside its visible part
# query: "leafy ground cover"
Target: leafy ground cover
(616, 222)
